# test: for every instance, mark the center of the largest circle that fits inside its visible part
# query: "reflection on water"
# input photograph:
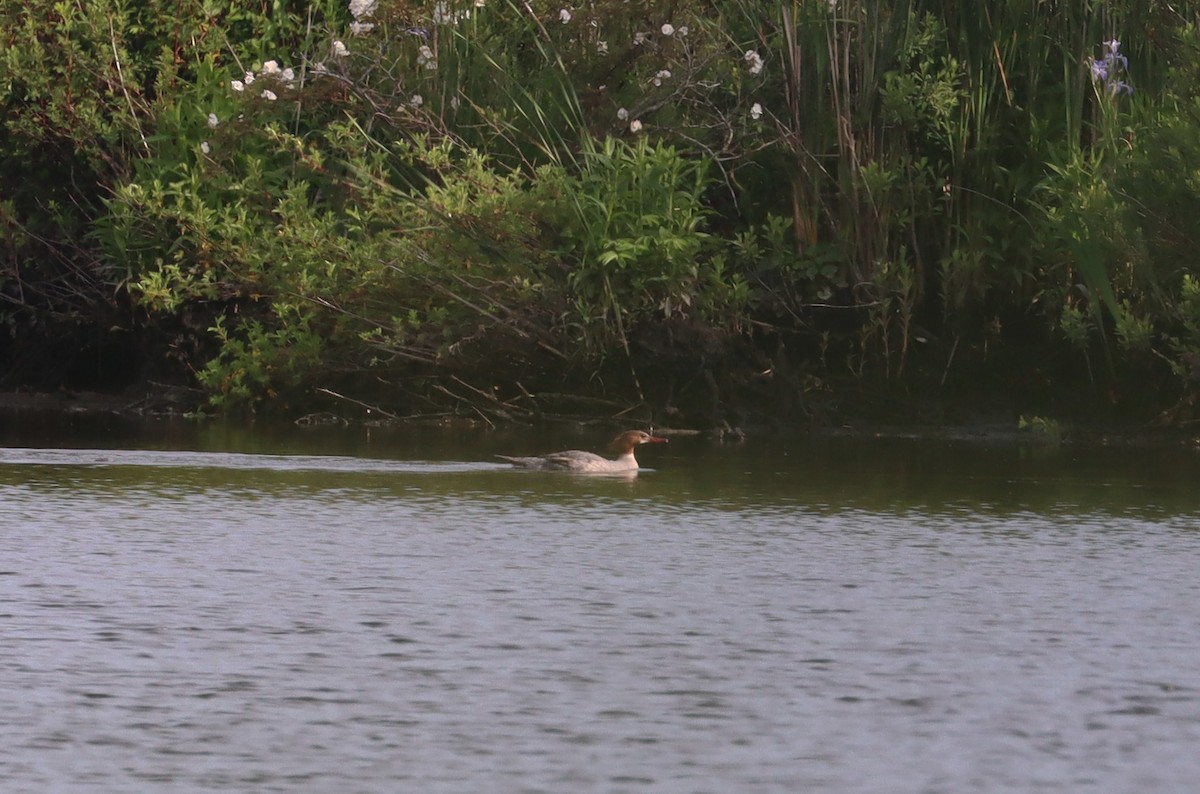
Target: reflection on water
(401, 613)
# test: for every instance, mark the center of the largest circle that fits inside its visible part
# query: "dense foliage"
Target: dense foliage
(503, 206)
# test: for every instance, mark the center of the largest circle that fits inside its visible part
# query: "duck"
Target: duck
(589, 462)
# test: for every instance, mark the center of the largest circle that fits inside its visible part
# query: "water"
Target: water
(187, 609)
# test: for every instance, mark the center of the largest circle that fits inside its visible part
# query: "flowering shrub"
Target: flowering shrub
(360, 186)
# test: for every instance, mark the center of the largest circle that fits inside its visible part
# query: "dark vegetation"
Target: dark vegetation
(700, 212)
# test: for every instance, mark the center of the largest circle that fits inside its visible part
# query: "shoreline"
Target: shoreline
(168, 404)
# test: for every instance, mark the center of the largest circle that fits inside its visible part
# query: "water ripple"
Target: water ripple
(190, 621)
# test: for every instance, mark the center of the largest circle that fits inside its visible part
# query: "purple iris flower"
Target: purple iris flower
(1111, 68)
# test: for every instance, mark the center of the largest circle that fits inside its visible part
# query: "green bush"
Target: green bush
(373, 192)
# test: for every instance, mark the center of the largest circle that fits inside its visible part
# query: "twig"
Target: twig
(112, 32)
(633, 407)
(486, 395)
(949, 361)
(303, 72)
(468, 403)
(359, 403)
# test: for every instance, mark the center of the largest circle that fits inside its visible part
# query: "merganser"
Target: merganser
(576, 460)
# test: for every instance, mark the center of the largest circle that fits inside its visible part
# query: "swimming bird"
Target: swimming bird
(577, 460)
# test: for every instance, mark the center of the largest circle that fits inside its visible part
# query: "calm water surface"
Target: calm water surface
(187, 609)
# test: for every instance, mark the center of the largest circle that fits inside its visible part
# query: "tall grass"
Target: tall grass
(858, 173)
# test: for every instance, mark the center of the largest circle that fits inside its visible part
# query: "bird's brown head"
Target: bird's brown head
(632, 438)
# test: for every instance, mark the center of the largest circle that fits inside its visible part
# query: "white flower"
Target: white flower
(683, 30)
(639, 39)
(339, 49)
(204, 147)
(602, 47)
(362, 8)
(288, 75)
(442, 15)
(754, 60)
(213, 121)
(425, 57)
(668, 29)
(237, 85)
(249, 78)
(663, 75)
(271, 67)
(622, 114)
(480, 3)
(417, 100)
(361, 28)
(635, 126)
(564, 16)
(269, 95)
(756, 111)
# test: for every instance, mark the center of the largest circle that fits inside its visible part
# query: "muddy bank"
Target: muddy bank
(148, 400)
(157, 401)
